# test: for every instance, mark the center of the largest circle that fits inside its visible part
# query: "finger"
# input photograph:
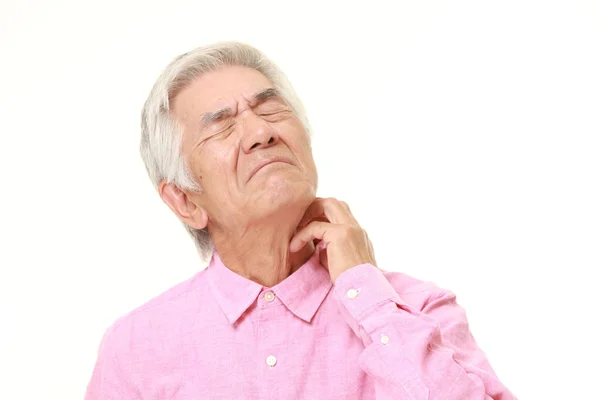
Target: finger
(314, 210)
(345, 205)
(332, 209)
(338, 210)
(348, 212)
(323, 259)
(314, 230)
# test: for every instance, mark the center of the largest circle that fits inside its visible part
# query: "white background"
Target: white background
(463, 134)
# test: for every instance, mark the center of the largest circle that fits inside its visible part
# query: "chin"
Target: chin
(281, 193)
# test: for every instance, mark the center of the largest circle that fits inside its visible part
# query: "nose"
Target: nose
(257, 133)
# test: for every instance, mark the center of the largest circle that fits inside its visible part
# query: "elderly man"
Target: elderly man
(291, 305)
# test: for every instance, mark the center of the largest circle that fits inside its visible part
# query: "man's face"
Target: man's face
(234, 121)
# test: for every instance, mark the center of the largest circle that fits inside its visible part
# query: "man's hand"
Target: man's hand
(331, 222)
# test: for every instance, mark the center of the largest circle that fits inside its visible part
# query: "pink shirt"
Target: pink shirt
(374, 335)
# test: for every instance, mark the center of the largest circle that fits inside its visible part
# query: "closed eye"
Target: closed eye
(270, 113)
(221, 129)
(224, 124)
(271, 106)
(275, 116)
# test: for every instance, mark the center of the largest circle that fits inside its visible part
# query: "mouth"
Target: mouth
(266, 162)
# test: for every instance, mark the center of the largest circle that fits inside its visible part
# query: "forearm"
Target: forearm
(412, 353)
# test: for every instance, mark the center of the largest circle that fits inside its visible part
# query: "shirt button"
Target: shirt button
(352, 293)
(269, 296)
(271, 361)
(385, 339)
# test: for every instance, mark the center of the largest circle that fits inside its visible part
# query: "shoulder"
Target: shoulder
(160, 311)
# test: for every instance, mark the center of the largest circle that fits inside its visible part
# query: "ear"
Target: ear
(178, 201)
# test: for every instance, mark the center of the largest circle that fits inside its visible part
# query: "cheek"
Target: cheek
(296, 138)
(304, 154)
(223, 156)
(216, 163)
(304, 151)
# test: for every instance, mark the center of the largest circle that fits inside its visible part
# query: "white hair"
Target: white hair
(160, 144)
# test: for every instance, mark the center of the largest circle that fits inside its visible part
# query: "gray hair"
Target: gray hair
(160, 144)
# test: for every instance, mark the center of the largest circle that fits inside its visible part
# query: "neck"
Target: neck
(261, 253)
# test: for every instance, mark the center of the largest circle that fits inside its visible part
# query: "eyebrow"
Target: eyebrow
(258, 98)
(210, 117)
(264, 95)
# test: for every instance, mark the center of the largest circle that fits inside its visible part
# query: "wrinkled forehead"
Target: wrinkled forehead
(226, 87)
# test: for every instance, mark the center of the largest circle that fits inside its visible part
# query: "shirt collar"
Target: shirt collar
(302, 292)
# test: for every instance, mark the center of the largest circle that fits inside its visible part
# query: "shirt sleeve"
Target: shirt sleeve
(423, 353)
(105, 382)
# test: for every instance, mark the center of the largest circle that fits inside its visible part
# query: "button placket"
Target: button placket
(270, 307)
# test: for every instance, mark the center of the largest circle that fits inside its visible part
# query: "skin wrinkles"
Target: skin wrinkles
(244, 123)
(265, 225)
